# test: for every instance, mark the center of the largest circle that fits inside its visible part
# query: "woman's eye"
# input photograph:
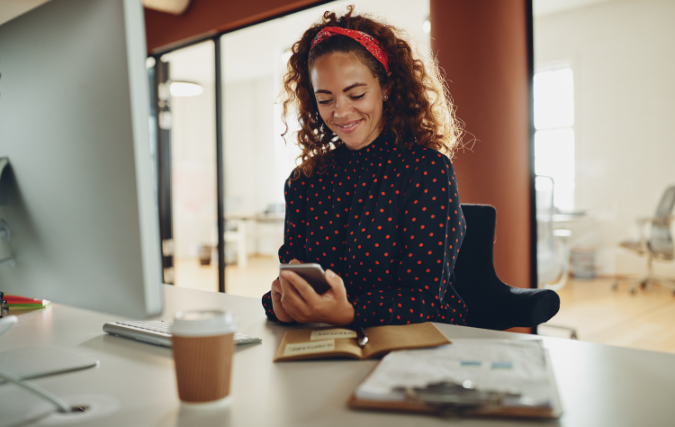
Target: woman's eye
(324, 102)
(359, 96)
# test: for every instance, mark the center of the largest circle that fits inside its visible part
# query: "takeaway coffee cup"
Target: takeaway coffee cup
(203, 348)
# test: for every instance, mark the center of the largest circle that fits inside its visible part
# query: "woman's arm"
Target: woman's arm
(293, 247)
(432, 229)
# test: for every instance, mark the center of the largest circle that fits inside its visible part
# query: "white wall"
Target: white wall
(249, 146)
(622, 54)
(193, 172)
(251, 183)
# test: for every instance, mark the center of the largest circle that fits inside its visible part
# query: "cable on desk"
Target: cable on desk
(61, 406)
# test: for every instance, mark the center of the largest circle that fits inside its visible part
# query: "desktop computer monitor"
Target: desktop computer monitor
(78, 196)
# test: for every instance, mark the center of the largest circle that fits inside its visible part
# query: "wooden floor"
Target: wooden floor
(253, 281)
(599, 314)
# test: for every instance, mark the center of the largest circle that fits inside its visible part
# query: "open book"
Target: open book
(299, 344)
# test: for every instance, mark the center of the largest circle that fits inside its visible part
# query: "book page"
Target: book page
(318, 343)
(383, 339)
(332, 334)
(311, 347)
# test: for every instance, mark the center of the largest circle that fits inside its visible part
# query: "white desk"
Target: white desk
(599, 385)
(243, 232)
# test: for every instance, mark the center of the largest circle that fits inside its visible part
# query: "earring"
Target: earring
(386, 97)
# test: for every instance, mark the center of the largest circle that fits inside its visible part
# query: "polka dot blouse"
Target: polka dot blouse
(388, 221)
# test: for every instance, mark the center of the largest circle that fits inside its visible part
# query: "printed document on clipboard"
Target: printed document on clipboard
(487, 377)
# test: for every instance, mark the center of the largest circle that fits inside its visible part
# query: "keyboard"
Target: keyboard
(157, 332)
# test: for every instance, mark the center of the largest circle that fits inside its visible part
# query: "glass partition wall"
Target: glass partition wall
(255, 160)
(603, 95)
(191, 119)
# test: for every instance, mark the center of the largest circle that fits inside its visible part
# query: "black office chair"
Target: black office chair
(492, 303)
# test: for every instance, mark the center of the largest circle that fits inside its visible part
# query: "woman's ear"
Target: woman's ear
(386, 91)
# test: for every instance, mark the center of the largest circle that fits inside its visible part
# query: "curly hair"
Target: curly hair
(419, 110)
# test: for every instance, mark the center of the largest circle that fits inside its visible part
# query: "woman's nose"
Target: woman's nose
(341, 109)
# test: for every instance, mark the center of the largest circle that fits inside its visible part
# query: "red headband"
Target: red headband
(371, 45)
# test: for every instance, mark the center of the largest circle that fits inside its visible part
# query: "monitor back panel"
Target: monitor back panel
(74, 125)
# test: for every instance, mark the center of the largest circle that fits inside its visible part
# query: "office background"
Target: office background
(617, 54)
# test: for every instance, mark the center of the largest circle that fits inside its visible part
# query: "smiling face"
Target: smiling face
(349, 97)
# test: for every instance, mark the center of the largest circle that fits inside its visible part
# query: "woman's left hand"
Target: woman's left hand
(304, 305)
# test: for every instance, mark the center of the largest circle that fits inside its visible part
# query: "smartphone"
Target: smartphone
(312, 273)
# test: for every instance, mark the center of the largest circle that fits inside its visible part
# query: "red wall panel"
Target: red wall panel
(482, 45)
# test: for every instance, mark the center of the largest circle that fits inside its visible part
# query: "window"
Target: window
(554, 134)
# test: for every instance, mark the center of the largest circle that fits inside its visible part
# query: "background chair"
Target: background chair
(553, 252)
(492, 303)
(659, 244)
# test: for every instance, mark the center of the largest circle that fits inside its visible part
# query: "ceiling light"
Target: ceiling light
(186, 89)
(426, 26)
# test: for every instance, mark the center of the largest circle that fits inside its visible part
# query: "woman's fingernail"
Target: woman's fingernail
(331, 274)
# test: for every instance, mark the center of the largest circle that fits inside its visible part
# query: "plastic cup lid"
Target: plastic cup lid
(203, 323)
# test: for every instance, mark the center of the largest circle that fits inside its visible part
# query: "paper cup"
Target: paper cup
(203, 348)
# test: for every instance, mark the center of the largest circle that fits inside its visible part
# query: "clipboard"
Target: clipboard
(415, 404)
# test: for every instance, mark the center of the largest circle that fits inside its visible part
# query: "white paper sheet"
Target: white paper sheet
(491, 364)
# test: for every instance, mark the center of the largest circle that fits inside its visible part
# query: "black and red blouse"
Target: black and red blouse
(388, 221)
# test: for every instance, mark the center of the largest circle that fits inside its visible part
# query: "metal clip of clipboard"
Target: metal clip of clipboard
(453, 399)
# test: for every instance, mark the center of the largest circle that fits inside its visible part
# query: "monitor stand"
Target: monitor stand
(35, 362)
(19, 365)
(6, 322)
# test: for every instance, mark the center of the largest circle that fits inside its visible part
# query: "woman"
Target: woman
(374, 201)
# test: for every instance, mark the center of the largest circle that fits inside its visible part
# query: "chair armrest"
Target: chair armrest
(646, 220)
(507, 307)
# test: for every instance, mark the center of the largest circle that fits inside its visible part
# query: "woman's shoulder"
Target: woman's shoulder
(298, 183)
(423, 158)
(295, 183)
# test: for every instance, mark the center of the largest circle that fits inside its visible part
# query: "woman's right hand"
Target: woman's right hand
(276, 299)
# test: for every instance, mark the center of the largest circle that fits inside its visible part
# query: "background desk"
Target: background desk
(599, 385)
